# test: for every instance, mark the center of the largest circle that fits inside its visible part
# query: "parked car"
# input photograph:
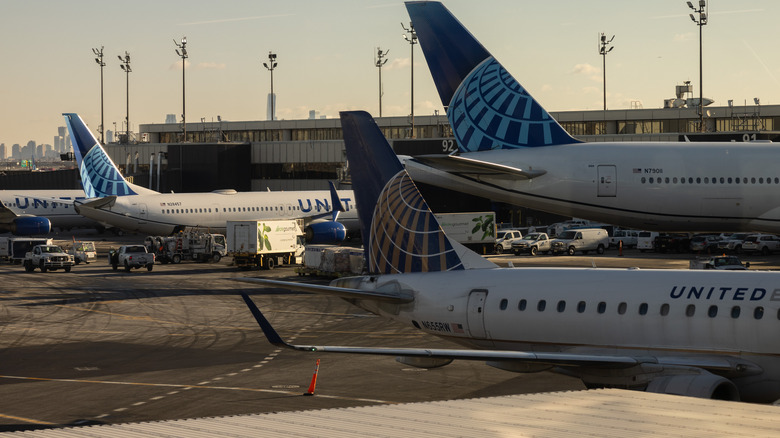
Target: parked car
(505, 238)
(672, 243)
(721, 263)
(733, 243)
(628, 237)
(704, 243)
(763, 243)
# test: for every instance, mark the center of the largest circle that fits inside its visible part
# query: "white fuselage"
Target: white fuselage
(165, 213)
(652, 186)
(640, 313)
(40, 203)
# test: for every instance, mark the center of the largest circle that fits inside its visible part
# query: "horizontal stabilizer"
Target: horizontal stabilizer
(108, 201)
(468, 166)
(342, 292)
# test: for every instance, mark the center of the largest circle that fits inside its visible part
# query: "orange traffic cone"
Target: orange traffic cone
(313, 379)
(620, 248)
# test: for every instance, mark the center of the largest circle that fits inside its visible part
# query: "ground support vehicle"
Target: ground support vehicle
(193, 245)
(265, 244)
(47, 258)
(505, 239)
(720, 263)
(83, 252)
(14, 249)
(628, 237)
(582, 239)
(131, 257)
(763, 243)
(474, 230)
(532, 243)
(331, 261)
(672, 243)
(645, 241)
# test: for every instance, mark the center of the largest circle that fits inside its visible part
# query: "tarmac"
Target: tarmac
(102, 346)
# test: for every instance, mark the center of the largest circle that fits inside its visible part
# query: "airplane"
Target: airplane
(695, 333)
(114, 201)
(511, 150)
(33, 212)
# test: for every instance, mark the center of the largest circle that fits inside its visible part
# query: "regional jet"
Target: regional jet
(709, 334)
(512, 150)
(112, 200)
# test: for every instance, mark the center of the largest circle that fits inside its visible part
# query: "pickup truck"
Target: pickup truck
(532, 243)
(131, 257)
(505, 239)
(47, 258)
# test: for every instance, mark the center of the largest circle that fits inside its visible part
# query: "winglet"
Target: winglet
(487, 107)
(269, 331)
(338, 206)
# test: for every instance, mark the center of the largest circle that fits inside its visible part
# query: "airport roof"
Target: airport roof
(602, 413)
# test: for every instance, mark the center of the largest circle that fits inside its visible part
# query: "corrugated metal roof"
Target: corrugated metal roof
(598, 413)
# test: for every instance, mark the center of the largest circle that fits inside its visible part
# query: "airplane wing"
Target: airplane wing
(342, 292)
(462, 165)
(720, 364)
(6, 214)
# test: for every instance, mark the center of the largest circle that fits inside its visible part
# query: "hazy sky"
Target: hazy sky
(326, 52)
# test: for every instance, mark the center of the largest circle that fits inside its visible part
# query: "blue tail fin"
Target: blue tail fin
(400, 233)
(487, 108)
(99, 175)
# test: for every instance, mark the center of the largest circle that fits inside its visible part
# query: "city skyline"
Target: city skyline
(326, 57)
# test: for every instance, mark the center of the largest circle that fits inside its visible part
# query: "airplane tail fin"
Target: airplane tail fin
(100, 177)
(400, 233)
(487, 108)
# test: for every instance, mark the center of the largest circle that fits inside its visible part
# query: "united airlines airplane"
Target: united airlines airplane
(709, 334)
(114, 201)
(32, 212)
(512, 150)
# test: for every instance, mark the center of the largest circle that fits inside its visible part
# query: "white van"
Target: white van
(581, 239)
(645, 241)
(628, 237)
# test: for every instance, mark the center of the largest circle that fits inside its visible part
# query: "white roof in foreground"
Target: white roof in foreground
(598, 413)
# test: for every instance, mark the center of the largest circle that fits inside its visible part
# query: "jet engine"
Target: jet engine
(702, 385)
(325, 232)
(29, 225)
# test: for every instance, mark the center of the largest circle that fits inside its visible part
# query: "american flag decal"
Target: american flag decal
(637, 170)
(457, 328)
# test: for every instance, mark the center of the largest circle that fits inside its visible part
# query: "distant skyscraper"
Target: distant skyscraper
(16, 151)
(170, 118)
(270, 106)
(2, 151)
(109, 136)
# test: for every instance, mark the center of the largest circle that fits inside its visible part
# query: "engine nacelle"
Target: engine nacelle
(703, 385)
(424, 362)
(325, 232)
(29, 225)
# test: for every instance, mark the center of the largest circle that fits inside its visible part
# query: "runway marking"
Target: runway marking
(188, 387)
(26, 420)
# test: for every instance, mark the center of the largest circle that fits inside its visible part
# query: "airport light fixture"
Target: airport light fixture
(270, 65)
(603, 50)
(99, 60)
(125, 65)
(182, 52)
(701, 22)
(379, 61)
(411, 37)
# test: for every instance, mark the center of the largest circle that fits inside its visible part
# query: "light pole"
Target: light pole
(182, 52)
(603, 50)
(702, 11)
(379, 62)
(411, 37)
(270, 65)
(126, 67)
(99, 60)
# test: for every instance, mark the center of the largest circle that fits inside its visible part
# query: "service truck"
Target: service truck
(191, 245)
(476, 230)
(47, 258)
(83, 252)
(264, 243)
(131, 257)
(13, 249)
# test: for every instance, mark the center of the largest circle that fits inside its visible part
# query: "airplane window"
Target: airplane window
(503, 304)
(643, 309)
(712, 312)
(745, 180)
(690, 180)
(778, 313)
(722, 180)
(729, 180)
(690, 310)
(706, 180)
(602, 307)
(542, 304)
(651, 180)
(622, 308)
(758, 313)
(561, 306)
(666, 180)
(777, 180)
(761, 180)
(521, 305)
(682, 180)
(664, 309)
(735, 312)
(581, 307)
(698, 180)
(674, 180)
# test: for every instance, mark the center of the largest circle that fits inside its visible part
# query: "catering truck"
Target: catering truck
(475, 230)
(264, 244)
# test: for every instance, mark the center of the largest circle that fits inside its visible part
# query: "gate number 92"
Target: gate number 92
(448, 146)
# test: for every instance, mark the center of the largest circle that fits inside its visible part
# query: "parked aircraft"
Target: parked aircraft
(31, 212)
(134, 208)
(696, 333)
(512, 150)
